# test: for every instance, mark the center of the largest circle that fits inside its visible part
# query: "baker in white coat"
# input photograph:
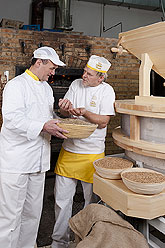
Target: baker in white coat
(27, 111)
(90, 99)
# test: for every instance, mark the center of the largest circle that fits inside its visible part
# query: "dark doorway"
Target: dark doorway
(157, 84)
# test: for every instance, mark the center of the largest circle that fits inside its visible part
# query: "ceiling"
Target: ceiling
(154, 5)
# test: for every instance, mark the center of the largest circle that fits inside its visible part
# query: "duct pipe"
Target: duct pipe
(65, 21)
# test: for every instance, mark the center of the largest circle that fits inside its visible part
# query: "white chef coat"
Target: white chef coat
(27, 105)
(99, 100)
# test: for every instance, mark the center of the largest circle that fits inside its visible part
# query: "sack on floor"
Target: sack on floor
(97, 226)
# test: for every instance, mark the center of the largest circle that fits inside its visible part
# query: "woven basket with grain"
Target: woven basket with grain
(111, 167)
(78, 129)
(143, 181)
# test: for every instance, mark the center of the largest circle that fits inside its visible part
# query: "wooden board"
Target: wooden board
(152, 100)
(119, 197)
(141, 109)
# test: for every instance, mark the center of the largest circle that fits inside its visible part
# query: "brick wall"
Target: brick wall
(123, 75)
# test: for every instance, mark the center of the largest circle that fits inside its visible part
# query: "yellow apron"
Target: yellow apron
(78, 166)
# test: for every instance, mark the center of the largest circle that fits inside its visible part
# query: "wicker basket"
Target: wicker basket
(111, 167)
(143, 187)
(78, 129)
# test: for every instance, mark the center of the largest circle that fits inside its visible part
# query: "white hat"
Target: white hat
(98, 64)
(48, 53)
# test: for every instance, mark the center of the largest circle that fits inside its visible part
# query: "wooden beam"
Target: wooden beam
(144, 75)
(134, 127)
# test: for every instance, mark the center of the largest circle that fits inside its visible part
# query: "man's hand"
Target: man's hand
(77, 111)
(65, 104)
(51, 128)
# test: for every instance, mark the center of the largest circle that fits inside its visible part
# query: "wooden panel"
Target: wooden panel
(119, 197)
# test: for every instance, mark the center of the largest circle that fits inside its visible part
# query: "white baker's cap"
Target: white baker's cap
(99, 64)
(48, 53)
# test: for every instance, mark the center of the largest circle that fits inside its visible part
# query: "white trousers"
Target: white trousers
(64, 192)
(21, 197)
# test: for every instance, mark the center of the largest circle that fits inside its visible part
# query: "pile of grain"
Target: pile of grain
(77, 128)
(144, 177)
(113, 163)
(75, 121)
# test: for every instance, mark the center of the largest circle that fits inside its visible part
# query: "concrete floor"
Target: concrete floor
(72, 245)
(47, 219)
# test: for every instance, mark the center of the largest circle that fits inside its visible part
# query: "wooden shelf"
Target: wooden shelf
(146, 109)
(119, 197)
(138, 146)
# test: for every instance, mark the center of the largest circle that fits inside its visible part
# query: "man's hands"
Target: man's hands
(65, 104)
(77, 111)
(67, 107)
(51, 128)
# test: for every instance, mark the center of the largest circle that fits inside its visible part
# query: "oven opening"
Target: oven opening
(61, 81)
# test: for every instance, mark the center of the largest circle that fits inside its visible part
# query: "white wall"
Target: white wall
(16, 10)
(86, 16)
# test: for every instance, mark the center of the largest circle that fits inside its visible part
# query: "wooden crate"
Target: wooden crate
(7, 23)
(119, 197)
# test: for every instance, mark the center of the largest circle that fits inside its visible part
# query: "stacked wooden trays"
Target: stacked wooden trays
(78, 129)
(143, 181)
(111, 167)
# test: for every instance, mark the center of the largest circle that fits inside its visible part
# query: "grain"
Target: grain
(77, 128)
(75, 121)
(144, 177)
(113, 163)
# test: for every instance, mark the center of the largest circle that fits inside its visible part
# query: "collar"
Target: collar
(32, 75)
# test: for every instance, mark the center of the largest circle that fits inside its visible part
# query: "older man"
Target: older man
(25, 149)
(91, 99)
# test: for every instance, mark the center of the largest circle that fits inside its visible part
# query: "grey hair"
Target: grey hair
(100, 74)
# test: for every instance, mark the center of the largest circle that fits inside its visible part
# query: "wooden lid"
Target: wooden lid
(149, 39)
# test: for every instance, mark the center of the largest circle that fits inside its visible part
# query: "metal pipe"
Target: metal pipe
(65, 18)
(62, 11)
(162, 7)
(119, 23)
